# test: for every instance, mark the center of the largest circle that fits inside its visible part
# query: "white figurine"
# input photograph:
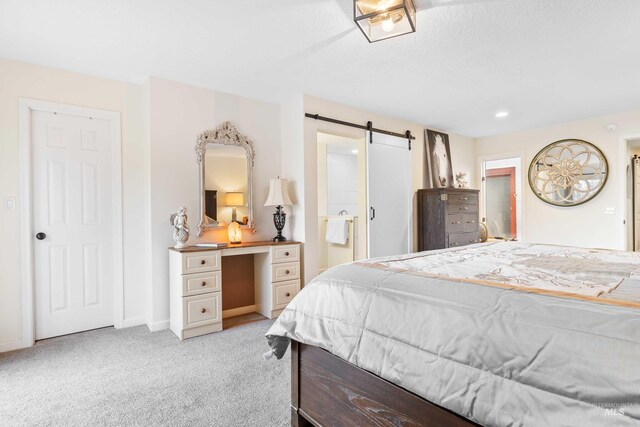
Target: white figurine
(462, 180)
(180, 227)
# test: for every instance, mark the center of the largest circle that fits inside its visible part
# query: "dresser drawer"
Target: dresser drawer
(202, 310)
(284, 292)
(196, 262)
(454, 223)
(462, 198)
(462, 239)
(462, 208)
(469, 223)
(285, 271)
(200, 283)
(286, 253)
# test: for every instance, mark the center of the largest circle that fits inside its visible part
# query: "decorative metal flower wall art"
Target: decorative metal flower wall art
(568, 172)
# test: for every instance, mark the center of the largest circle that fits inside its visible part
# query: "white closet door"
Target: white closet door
(72, 218)
(389, 195)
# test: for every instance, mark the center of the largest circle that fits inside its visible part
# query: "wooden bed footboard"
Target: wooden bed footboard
(328, 391)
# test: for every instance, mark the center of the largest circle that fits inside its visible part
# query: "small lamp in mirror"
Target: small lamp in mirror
(279, 197)
(235, 233)
(233, 200)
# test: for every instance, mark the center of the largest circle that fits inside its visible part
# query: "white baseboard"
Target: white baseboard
(158, 326)
(13, 345)
(238, 311)
(135, 321)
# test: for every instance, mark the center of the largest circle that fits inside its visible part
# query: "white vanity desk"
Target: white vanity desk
(196, 283)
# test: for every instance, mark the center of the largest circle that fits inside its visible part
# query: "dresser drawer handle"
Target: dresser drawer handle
(455, 222)
(453, 244)
(464, 198)
(286, 272)
(286, 254)
(204, 283)
(464, 208)
(471, 222)
(203, 310)
(287, 295)
(203, 262)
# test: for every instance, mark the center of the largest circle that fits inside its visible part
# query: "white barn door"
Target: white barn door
(389, 193)
(73, 231)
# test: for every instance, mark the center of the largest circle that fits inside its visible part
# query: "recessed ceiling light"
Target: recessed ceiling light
(502, 114)
(354, 151)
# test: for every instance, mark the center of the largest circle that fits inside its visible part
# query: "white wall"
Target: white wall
(585, 225)
(178, 113)
(342, 183)
(18, 79)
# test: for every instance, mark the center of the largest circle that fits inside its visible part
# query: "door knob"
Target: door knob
(41, 236)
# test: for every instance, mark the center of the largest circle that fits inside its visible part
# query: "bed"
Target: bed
(499, 334)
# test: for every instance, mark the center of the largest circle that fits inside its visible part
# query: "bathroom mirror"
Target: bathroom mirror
(568, 172)
(226, 159)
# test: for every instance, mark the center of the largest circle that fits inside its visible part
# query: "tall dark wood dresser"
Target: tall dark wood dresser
(447, 218)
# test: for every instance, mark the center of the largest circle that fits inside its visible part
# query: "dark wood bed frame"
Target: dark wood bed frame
(328, 391)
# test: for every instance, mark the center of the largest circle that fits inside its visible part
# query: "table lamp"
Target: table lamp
(278, 197)
(234, 199)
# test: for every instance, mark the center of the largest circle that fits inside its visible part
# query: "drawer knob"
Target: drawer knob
(455, 222)
(464, 198)
(286, 272)
(203, 310)
(286, 254)
(287, 295)
(464, 208)
(471, 222)
(203, 262)
(204, 283)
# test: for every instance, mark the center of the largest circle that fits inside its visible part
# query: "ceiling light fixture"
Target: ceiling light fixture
(502, 114)
(384, 19)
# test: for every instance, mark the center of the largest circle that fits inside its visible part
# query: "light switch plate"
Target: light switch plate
(10, 203)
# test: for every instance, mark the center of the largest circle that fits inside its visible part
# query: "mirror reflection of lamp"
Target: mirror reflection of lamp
(234, 199)
(279, 197)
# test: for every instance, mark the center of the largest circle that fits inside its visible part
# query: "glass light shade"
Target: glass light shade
(234, 199)
(235, 233)
(384, 19)
(278, 193)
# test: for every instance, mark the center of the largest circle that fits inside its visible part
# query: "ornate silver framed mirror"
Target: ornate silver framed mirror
(568, 172)
(226, 159)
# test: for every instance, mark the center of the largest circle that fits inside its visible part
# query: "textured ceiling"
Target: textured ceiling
(545, 61)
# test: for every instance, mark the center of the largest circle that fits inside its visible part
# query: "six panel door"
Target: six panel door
(73, 265)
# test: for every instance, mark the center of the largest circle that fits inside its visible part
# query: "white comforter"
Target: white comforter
(494, 355)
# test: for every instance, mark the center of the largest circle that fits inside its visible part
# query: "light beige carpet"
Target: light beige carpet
(136, 377)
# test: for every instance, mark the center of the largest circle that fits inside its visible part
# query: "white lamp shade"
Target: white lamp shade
(278, 193)
(234, 199)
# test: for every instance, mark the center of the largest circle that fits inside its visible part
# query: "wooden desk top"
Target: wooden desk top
(232, 246)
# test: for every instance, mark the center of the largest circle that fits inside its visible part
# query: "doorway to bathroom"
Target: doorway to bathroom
(502, 207)
(342, 190)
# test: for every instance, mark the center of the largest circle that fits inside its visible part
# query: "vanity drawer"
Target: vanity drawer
(462, 239)
(454, 223)
(286, 253)
(196, 262)
(202, 310)
(200, 283)
(284, 292)
(469, 222)
(285, 271)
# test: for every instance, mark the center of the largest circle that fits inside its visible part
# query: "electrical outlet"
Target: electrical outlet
(609, 210)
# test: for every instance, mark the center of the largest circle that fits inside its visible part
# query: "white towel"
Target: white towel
(337, 231)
